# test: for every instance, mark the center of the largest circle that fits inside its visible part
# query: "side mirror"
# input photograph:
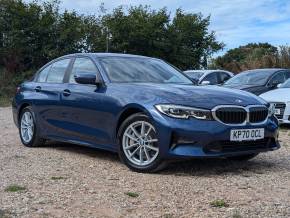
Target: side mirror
(205, 83)
(279, 85)
(87, 78)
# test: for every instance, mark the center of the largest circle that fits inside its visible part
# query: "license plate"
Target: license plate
(277, 111)
(247, 134)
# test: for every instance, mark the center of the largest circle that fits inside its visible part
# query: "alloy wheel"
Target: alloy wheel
(27, 127)
(139, 143)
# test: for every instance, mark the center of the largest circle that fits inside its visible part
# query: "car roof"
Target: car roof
(263, 70)
(93, 55)
(206, 71)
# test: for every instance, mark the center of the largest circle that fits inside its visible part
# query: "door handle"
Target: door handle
(37, 89)
(66, 92)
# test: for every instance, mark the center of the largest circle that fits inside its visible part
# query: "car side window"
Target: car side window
(57, 71)
(43, 74)
(212, 78)
(287, 75)
(277, 79)
(224, 77)
(82, 65)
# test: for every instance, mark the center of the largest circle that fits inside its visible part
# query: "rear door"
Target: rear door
(49, 86)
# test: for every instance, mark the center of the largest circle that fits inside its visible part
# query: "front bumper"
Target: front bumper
(196, 138)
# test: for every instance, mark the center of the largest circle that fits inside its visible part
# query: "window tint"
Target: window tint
(278, 78)
(82, 65)
(43, 74)
(212, 78)
(252, 77)
(57, 71)
(224, 77)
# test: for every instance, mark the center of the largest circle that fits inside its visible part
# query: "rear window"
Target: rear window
(43, 74)
(57, 71)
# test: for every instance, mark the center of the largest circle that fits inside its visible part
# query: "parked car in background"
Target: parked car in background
(280, 98)
(142, 108)
(209, 77)
(258, 81)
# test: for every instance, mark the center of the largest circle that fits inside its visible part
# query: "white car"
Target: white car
(281, 99)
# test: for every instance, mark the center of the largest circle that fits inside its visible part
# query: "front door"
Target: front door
(86, 116)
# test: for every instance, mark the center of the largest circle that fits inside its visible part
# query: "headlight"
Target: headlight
(271, 109)
(181, 112)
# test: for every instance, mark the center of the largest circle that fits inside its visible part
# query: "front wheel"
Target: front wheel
(139, 148)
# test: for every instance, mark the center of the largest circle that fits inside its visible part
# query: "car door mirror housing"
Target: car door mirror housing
(87, 78)
(205, 83)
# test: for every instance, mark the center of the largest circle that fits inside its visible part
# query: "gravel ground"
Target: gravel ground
(62, 180)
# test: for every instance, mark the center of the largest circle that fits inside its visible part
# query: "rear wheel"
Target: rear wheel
(242, 157)
(28, 131)
(139, 148)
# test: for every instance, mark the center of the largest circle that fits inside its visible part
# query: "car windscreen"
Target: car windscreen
(250, 78)
(194, 75)
(286, 84)
(131, 69)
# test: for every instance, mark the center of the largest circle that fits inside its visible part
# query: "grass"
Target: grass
(237, 215)
(57, 178)
(15, 188)
(219, 203)
(132, 194)
(4, 214)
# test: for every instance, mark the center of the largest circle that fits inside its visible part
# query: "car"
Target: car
(209, 77)
(280, 98)
(258, 81)
(142, 108)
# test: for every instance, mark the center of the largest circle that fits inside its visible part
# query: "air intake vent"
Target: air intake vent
(281, 108)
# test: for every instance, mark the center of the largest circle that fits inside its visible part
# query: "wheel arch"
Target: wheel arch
(23, 105)
(128, 111)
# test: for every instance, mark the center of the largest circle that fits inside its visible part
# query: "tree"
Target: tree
(190, 42)
(250, 56)
(185, 41)
(34, 33)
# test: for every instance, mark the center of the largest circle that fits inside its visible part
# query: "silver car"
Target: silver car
(209, 77)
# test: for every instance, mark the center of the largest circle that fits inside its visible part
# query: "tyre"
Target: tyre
(242, 157)
(28, 131)
(138, 144)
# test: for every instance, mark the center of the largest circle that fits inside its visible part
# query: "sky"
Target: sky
(236, 22)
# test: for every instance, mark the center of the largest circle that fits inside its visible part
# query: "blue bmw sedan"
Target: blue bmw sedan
(143, 108)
